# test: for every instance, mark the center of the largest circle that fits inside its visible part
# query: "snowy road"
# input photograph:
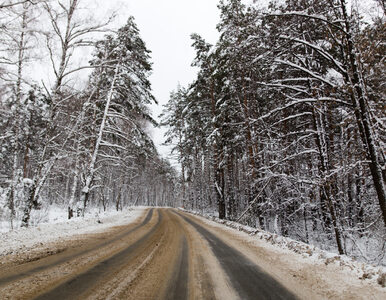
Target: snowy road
(156, 259)
(165, 254)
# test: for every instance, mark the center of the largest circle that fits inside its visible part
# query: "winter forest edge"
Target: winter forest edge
(283, 128)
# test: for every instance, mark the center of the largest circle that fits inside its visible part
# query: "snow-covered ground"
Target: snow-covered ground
(57, 227)
(305, 254)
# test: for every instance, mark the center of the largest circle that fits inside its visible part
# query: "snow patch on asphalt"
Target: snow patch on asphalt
(353, 270)
(25, 239)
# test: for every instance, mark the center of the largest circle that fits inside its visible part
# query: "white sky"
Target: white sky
(165, 26)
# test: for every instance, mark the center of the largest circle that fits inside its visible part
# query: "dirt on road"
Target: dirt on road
(166, 254)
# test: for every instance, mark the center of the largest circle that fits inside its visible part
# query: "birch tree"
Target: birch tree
(70, 34)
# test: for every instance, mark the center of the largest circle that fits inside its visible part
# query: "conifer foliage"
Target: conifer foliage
(283, 128)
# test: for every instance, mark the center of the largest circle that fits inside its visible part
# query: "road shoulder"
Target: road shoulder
(308, 278)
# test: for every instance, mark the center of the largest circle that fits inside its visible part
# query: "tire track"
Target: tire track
(173, 257)
(247, 278)
(74, 287)
(31, 272)
(179, 283)
(123, 284)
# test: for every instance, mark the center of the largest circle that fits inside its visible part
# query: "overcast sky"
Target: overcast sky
(166, 26)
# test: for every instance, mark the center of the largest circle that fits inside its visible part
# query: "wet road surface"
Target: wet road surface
(167, 254)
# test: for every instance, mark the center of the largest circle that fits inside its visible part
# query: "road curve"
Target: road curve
(168, 255)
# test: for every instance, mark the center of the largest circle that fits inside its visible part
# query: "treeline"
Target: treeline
(284, 126)
(71, 143)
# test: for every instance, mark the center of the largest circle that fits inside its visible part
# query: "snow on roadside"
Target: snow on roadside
(24, 239)
(310, 253)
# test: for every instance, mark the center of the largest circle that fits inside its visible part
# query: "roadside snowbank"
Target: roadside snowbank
(361, 270)
(25, 239)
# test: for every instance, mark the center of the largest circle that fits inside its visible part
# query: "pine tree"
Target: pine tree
(122, 93)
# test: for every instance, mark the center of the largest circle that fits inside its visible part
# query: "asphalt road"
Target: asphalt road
(165, 255)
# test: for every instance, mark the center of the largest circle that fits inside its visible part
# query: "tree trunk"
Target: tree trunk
(326, 197)
(91, 169)
(359, 98)
(219, 171)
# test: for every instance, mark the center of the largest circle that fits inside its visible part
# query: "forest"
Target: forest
(284, 126)
(70, 143)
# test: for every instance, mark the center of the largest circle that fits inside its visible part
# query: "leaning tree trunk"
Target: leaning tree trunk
(91, 169)
(359, 99)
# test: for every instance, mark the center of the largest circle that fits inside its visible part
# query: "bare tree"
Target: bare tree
(10, 3)
(69, 33)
